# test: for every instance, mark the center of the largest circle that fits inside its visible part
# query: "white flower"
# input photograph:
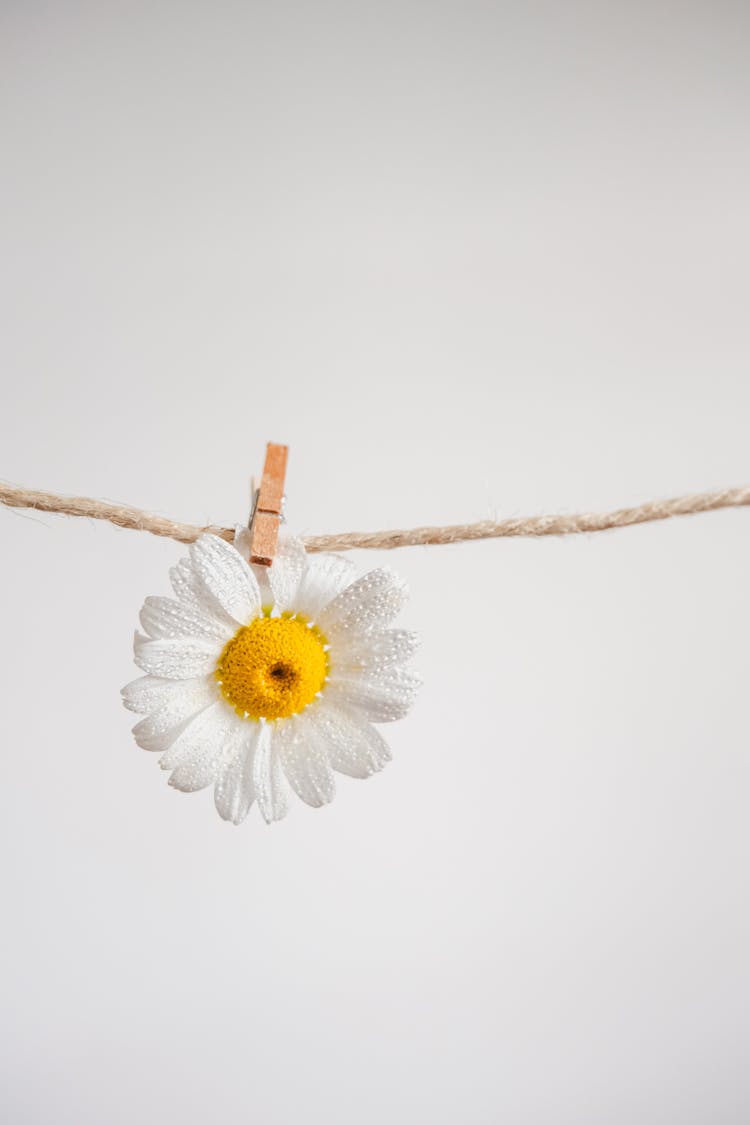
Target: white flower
(260, 679)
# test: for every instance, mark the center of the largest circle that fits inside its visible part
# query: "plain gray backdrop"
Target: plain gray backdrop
(468, 260)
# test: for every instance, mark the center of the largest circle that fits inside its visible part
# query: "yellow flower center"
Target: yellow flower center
(273, 667)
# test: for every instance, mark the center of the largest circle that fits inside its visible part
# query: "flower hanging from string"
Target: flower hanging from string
(266, 680)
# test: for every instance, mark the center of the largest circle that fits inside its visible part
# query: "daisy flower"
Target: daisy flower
(265, 680)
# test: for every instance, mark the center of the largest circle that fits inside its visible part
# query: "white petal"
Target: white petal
(243, 540)
(324, 579)
(271, 790)
(167, 618)
(176, 659)
(234, 792)
(226, 577)
(190, 590)
(148, 693)
(200, 771)
(354, 746)
(286, 570)
(369, 603)
(200, 751)
(372, 650)
(186, 584)
(159, 729)
(305, 762)
(381, 695)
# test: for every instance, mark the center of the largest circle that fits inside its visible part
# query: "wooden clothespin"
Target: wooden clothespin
(268, 505)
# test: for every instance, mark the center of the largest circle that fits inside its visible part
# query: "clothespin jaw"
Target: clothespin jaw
(268, 506)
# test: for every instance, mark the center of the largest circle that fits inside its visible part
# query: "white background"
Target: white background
(467, 259)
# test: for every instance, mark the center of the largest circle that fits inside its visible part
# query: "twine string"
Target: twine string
(123, 515)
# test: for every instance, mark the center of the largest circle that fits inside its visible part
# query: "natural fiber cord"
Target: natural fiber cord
(137, 520)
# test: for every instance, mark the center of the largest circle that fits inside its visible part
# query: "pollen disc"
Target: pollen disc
(273, 667)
